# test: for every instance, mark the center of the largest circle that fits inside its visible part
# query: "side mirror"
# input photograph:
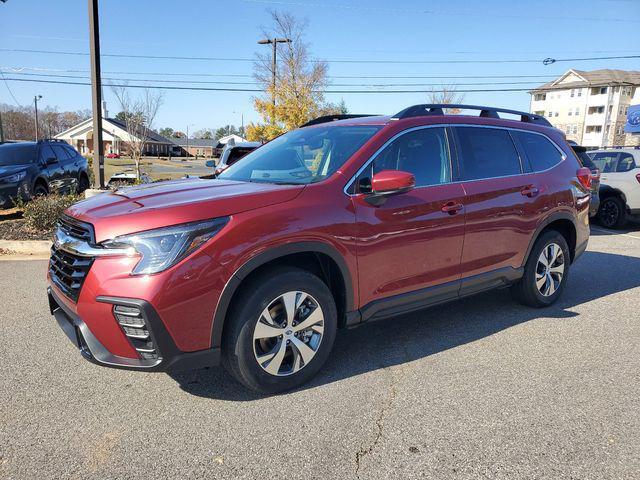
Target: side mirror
(210, 163)
(389, 182)
(52, 160)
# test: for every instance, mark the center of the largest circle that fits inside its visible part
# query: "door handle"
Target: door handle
(529, 191)
(452, 208)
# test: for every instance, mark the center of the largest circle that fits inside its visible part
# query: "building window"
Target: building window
(577, 111)
(539, 112)
(579, 92)
(540, 96)
(570, 112)
(556, 114)
(550, 114)
(594, 129)
(575, 129)
(594, 110)
(573, 92)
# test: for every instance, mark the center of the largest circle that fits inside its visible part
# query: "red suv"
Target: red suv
(346, 220)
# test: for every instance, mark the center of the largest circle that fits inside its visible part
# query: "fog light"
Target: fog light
(134, 326)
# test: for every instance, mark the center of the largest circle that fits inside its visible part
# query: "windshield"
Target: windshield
(12, 154)
(301, 156)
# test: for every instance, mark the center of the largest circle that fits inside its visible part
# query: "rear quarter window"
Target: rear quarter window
(540, 151)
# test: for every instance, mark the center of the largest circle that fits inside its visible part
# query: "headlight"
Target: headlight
(16, 177)
(164, 247)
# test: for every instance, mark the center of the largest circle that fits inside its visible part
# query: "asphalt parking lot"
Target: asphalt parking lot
(481, 388)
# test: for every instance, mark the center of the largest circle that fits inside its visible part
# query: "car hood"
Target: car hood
(156, 205)
(11, 169)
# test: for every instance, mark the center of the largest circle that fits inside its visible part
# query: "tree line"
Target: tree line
(18, 123)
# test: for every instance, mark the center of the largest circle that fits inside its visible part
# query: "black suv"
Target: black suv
(28, 169)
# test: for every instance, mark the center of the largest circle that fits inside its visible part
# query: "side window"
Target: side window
(423, 152)
(45, 154)
(70, 151)
(539, 150)
(606, 161)
(61, 153)
(487, 153)
(625, 163)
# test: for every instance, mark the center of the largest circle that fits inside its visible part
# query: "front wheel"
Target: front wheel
(281, 330)
(546, 271)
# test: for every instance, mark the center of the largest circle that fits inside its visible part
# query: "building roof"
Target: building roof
(594, 78)
(194, 142)
(107, 129)
(153, 136)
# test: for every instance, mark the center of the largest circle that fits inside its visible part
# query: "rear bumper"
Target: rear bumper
(170, 358)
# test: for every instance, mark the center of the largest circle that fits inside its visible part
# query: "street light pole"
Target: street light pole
(35, 101)
(96, 93)
(274, 42)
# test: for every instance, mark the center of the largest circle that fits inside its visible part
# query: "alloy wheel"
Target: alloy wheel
(288, 333)
(550, 269)
(609, 213)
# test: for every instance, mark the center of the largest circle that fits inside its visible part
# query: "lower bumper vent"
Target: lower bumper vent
(135, 327)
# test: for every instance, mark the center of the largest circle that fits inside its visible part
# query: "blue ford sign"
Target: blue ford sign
(633, 119)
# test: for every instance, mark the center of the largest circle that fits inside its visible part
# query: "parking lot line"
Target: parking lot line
(613, 232)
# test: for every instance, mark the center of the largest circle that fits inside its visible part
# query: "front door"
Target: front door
(409, 243)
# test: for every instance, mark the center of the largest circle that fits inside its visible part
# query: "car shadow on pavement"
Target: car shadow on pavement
(417, 335)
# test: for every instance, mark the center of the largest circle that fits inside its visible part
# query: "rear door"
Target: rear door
(499, 196)
(70, 174)
(409, 243)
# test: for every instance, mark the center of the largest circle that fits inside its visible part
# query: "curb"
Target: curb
(27, 247)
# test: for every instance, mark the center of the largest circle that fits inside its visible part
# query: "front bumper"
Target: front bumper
(169, 359)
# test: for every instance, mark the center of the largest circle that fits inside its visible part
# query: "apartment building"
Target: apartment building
(590, 107)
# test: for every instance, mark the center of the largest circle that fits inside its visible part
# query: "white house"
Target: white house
(590, 107)
(114, 137)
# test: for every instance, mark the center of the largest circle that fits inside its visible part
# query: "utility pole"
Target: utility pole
(274, 42)
(1, 130)
(96, 94)
(35, 101)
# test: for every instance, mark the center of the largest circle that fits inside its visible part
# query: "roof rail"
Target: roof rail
(333, 118)
(487, 112)
(51, 140)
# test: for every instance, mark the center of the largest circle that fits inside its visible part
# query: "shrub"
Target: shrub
(42, 213)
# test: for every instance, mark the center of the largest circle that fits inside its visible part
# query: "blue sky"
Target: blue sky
(338, 30)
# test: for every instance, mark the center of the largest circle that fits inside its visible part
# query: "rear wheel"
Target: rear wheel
(612, 212)
(83, 183)
(545, 273)
(281, 330)
(40, 189)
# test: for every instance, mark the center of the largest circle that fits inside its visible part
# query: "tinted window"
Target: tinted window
(625, 163)
(606, 161)
(61, 153)
(539, 150)
(16, 154)
(46, 153)
(584, 158)
(71, 151)
(237, 153)
(423, 152)
(487, 153)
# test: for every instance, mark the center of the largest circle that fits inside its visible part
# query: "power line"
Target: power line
(358, 61)
(13, 70)
(406, 11)
(9, 89)
(217, 89)
(209, 82)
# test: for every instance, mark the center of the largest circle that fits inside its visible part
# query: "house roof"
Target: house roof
(153, 136)
(194, 142)
(106, 124)
(594, 78)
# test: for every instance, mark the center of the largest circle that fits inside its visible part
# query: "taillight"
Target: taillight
(584, 177)
(595, 175)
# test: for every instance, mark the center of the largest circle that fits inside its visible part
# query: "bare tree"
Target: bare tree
(139, 112)
(447, 94)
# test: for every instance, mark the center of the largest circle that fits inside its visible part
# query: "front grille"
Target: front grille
(75, 228)
(68, 271)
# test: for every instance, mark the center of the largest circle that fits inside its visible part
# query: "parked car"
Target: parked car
(128, 177)
(28, 169)
(113, 155)
(585, 160)
(231, 153)
(258, 268)
(620, 185)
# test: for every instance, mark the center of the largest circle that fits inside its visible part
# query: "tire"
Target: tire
(541, 286)
(40, 190)
(269, 294)
(83, 183)
(612, 213)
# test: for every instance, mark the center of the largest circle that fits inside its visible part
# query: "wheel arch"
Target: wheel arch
(564, 223)
(607, 191)
(40, 180)
(320, 258)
